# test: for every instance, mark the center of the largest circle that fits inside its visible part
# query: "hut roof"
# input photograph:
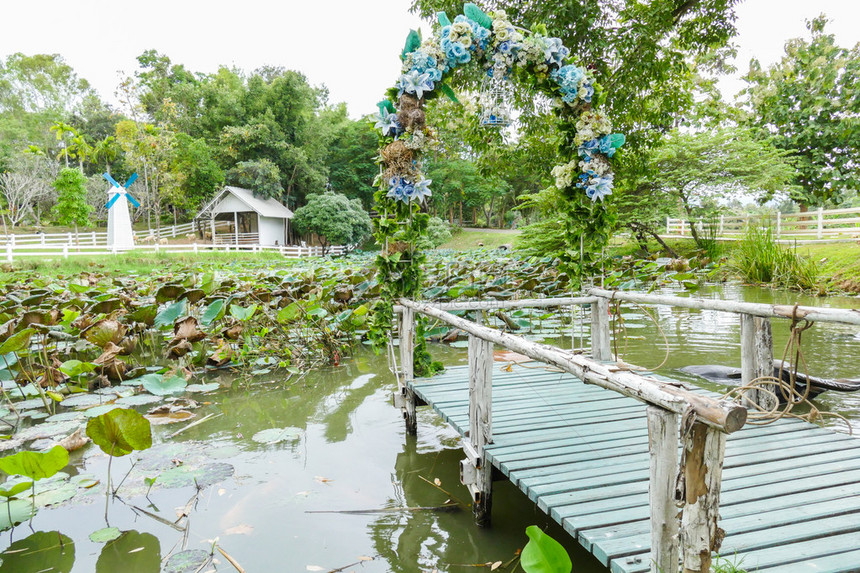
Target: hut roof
(265, 207)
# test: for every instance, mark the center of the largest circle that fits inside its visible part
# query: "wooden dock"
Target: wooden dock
(790, 498)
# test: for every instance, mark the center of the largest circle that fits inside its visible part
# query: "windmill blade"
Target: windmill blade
(131, 180)
(112, 200)
(110, 179)
(132, 199)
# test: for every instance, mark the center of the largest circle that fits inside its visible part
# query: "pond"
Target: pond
(281, 500)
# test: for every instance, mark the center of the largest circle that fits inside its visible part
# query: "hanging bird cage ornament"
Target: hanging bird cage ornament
(493, 101)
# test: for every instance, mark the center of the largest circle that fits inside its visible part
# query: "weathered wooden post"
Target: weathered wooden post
(663, 436)
(820, 227)
(757, 357)
(476, 473)
(704, 448)
(600, 343)
(406, 397)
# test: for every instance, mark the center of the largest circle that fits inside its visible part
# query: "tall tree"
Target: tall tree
(40, 83)
(809, 102)
(72, 206)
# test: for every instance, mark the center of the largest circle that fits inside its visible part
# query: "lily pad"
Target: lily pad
(169, 417)
(131, 551)
(275, 435)
(186, 475)
(188, 561)
(48, 430)
(84, 401)
(20, 511)
(99, 410)
(65, 416)
(139, 400)
(208, 387)
(104, 535)
(163, 385)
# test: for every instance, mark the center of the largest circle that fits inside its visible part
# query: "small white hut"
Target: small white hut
(252, 221)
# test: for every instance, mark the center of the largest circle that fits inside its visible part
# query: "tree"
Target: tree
(351, 160)
(39, 83)
(72, 206)
(21, 189)
(334, 218)
(262, 177)
(695, 168)
(809, 103)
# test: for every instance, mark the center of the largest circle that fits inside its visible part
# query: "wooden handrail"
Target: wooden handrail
(843, 316)
(724, 416)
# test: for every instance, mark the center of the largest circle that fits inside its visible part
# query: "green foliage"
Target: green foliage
(543, 554)
(261, 176)
(335, 219)
(438, 233)
(696, 168)
(36, 465)
(351, 160)
(120, 432)
(72, 206)
(40, 83)
(759, 258)
(808, 104)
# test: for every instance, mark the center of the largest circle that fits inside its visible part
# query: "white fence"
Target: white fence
(95, 238)
(821, 226)
(66, 251)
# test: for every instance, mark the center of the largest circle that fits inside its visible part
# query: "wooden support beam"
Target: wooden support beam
(702, 471)
(481, 425)
(723, 415)
(407, 356)
(601, 348)
(757, 358)
(663, 436)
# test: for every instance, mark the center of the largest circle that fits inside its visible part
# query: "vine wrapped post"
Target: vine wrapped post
(702, 467)
(663, 435)
(757, 357)
(600, 344)
(475, 472)
(407, 369)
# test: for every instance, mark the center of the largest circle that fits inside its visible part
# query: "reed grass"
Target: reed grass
(758, 258)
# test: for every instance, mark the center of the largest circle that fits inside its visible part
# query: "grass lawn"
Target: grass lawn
(491, 238)
(839, 264)
(136, 262)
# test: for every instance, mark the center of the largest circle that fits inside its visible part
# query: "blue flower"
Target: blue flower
(599, 187)
(400, 189)
(414, 83)
(422, 190)
(589, 92)
(387, 123)
(505, 47)
(554, 51)
(588, 149)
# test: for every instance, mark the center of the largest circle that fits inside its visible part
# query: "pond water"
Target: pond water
(346, 450)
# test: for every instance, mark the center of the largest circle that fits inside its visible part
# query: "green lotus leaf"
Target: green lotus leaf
(543, 554)
(120, 432)
(36, 465)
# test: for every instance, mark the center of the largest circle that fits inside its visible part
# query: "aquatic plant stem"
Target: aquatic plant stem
(107, 493)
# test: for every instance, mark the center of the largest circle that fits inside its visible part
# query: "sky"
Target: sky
(351, 46)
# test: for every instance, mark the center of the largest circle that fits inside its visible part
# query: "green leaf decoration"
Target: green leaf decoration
(443, 19)
(104, 535)
(617, 140)
(413, 42)
(17, 342)
(446, 89)
(213, 312)
(169, 315)
(476, 14)
(163, 385)
(36, 465)
(120, 432)
(386, 105)
(543, 554)
(242, 313)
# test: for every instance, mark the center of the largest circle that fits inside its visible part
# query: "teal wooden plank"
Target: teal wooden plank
(801, 551)
(845, 562)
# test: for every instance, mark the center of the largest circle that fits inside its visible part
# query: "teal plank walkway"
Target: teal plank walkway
(790, 496)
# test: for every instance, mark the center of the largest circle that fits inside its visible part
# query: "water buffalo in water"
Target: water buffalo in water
(729, 376)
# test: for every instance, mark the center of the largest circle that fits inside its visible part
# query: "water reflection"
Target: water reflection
(41, 551)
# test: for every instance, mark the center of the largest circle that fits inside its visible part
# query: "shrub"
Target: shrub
(760, 259)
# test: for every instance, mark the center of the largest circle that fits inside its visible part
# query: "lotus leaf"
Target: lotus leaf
(275, 435)
(104, 331)
(242, 313)
(36, 465)
(188, 561)
(41, 551)
(120, 432)
(169, 293)
(20, 510)
(202, 476)
(169, 315)
(17, 342)
(145, 314)
(131, 551)
(213, 312)
(163, 385)
(104, 535)
(543, 554)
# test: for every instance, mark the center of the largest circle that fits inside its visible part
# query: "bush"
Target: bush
(760, 259)
(334, 218)
(438, 233)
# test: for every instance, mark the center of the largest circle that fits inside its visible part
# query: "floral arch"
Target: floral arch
(493, 44)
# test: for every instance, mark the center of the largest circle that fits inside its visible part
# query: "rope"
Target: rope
(775, 387)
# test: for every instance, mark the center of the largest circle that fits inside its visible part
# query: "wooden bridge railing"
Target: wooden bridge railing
(673, 413)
